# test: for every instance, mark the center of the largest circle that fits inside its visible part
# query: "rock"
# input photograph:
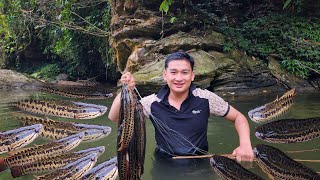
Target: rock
(287, 79)
(135, 60)
(182, 40)
(244, 75)
(236, 73)
(142, 38)
(10, 79)
(62, 76)
(315, 83)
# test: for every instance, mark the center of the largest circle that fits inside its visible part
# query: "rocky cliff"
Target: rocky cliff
(142, 37)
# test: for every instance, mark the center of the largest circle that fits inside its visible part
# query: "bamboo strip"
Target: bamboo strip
(203, 156)
(307, 150)
(307, 160)
(193, 157)
(232, 157)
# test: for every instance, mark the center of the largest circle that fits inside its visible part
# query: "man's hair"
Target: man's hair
(179, 55)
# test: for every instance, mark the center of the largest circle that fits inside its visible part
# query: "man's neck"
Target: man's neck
(176, 99)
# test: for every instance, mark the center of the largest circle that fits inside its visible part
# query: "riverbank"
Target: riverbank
(10, 79)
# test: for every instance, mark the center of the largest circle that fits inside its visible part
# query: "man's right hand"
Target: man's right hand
(128, 79)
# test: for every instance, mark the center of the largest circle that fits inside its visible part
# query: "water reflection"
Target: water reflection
(221, 135)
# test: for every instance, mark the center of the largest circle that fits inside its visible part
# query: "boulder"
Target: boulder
(11, 79)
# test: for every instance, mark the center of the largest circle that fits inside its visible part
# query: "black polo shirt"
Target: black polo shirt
(184, 131)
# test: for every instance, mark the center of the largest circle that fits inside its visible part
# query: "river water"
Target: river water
(222, 136)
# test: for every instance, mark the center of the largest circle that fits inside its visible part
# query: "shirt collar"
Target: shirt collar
(164, 91)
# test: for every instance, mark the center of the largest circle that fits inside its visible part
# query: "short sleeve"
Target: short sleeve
(217, 105)
(147, 101)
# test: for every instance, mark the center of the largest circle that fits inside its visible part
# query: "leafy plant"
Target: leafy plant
(72, 34)
(295, 40)
(15, 32)
(47, 72)
(164, 6)
(286, 4)
(228, 46)
(173, 19)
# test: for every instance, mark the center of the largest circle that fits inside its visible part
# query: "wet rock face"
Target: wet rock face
(287, 79)
(217, 72)
(139, 24)
(142, 38)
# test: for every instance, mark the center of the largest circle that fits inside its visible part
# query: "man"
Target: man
(184, 110)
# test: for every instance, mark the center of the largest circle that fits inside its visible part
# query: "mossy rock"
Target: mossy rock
(206, 67)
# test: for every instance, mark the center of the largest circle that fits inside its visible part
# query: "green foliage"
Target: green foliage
(14, 30)
(72, 34)
(82, 54)
(227, 47)
(47, 72)
(164, 6)
(286, 4)
(173, 19)
(295, 40)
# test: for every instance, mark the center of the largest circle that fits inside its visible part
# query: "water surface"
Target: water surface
(222, 136)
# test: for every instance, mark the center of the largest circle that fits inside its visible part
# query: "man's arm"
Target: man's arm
(220, 107)
(244, 151)
(115, 109)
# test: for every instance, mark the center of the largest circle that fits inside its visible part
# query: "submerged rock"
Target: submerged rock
(10, 79)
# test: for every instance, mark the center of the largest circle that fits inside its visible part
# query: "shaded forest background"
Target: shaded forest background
(73, 37)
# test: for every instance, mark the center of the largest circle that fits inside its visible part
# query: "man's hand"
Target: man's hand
(244, 153)
(114, 112)
(128, 79)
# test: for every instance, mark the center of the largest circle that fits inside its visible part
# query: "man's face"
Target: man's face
(179, 76)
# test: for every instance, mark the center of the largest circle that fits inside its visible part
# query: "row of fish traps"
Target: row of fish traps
(54, 158)
(270, 159)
